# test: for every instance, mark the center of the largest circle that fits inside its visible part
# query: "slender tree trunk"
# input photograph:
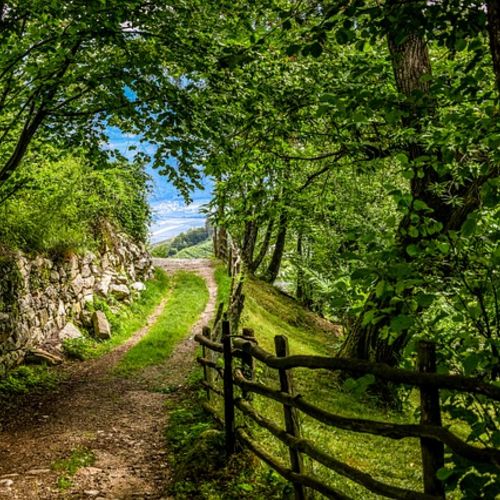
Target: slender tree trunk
(299, 291)
(279, 248)
(248, 243)
(264, 247)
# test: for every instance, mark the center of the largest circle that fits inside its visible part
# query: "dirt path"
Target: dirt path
(120, 420)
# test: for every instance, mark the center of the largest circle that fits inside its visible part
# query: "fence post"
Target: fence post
(207, 354)
(430, 414)
(292, 424)
(247, 361)
(228, 390)
(230, 262)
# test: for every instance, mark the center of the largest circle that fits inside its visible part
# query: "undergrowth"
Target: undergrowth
(27, 379)
(125, 319)
(197, 457)
(187, 301)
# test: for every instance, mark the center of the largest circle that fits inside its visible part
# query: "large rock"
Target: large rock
(70, 331)
(121, 292)
(100, 323)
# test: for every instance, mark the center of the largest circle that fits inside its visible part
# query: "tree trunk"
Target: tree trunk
(279, 248)
(248, 243)
(264, 248)
(410, 61)
(299, 291)
(494, 34)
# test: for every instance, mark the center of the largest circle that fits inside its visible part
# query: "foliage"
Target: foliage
(26, 379)
(69, 72)
(172, 247)
(188, 299)
(198, 476)
(124, 319)
(62, 202)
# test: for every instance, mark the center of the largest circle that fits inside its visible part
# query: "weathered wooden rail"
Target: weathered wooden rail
(433, 436)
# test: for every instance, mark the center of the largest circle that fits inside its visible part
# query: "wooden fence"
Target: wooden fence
(433, 436)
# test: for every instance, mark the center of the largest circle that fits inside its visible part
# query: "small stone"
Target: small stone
(100, 323)
(77, 284)
(6, 483)
(92, 493)
(92, 470)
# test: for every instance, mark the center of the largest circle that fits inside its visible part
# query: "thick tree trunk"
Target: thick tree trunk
(279, 248)
(410, 60)
(493, 7)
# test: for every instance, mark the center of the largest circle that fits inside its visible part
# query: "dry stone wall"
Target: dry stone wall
(42, 299)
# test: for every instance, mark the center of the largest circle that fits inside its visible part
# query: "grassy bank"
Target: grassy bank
(270, 313)
(187, 301)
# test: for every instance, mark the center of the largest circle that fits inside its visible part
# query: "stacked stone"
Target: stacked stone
(41, 300)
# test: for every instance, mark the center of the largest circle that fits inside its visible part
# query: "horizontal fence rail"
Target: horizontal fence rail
(433, 436)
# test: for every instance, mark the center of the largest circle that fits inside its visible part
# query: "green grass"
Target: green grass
(197, 457)
(270, 313)
(223, 284)
(124, 319)
(68, 467)
(187, 301)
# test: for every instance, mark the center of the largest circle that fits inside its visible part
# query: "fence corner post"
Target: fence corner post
(430, 414)
(292, 424)
(229, 424)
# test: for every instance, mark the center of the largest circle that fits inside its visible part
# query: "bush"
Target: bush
(61, 203)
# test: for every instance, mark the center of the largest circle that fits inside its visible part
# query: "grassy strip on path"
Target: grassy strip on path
(188, 300)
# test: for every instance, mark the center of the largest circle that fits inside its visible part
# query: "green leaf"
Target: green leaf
(443, 474)
(425, 299)
(470, 224)
(412, 250)
(380, 288)
(401, 322)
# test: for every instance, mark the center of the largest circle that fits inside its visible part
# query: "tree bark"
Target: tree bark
(279, 248)
(248, 244)
(264, 248)
(493, 7)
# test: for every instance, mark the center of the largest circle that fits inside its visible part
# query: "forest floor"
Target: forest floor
(100, 435)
